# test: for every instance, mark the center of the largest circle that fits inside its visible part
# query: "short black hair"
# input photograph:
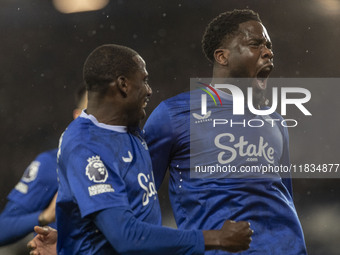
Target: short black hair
(222, 27)
(106, 63)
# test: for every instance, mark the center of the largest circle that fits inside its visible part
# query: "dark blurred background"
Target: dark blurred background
(43, 50)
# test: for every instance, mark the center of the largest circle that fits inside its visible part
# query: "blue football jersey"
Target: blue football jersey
(180, 138)
(38, 185)
(99, 167)
(32, 194)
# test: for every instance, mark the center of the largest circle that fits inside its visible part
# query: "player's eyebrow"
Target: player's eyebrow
(260, 40)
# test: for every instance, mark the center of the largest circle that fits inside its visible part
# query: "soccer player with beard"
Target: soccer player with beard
(107, 202)
(240, 49)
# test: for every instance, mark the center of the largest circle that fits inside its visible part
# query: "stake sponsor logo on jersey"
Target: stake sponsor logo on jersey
(242, 148)
(147, 183)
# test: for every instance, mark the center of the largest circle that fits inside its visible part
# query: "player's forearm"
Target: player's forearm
(131, 236)
(13, 228)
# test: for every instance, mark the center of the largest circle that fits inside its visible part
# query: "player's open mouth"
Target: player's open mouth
(146, 102)
(262, 76)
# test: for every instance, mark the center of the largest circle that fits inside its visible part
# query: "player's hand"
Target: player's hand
(44, 243)
(48, 215)
(235, 236)
(232, 237)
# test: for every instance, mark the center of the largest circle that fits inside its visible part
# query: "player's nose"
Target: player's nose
(267, 53)
(148, 90)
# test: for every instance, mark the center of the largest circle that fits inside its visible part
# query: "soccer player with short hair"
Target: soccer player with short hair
(107, 201)
(239, 47)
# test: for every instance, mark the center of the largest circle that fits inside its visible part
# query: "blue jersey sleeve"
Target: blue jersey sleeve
(95, 183)
(159, 137)
(129, 235)
(38, 184)
(31, 195)
(16, 223)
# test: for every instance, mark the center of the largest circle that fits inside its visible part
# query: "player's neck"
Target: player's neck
(107, 114)
(107, 108)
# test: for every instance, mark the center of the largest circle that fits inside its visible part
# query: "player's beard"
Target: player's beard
(259, 95)
(259, 98)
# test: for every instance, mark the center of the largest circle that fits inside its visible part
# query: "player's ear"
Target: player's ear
(122, 85)
(222, 56)
(76, 112)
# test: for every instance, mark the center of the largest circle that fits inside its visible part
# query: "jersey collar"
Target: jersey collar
(120, 129)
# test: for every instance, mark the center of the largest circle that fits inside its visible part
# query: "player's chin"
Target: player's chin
(140, 117)
(136, 117)
(142, 114)
(259, 83)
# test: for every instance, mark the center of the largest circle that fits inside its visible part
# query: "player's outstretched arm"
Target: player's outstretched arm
(17, 221)
(129, 235)
(232, 237)
(44, 243)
